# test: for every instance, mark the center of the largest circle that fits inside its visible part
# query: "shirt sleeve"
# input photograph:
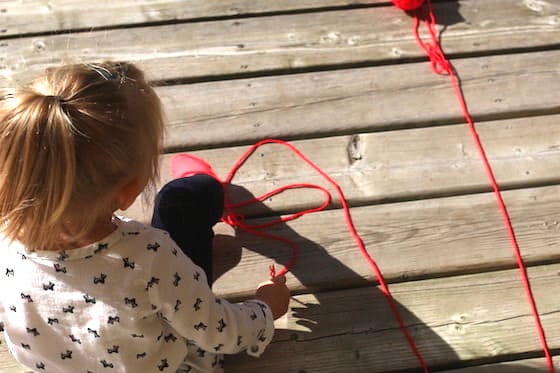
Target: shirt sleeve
(185, 301)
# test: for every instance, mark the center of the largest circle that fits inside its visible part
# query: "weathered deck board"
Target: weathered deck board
(409, 240)
(36, 16)
(525, 366)
(347, 101)
(388, 131)
(300, 41)
(7, 362)
(396, 165)
(453, 320)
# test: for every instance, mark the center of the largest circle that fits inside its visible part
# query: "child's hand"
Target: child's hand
(276, 294)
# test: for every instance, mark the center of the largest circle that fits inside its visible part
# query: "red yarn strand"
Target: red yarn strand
(255, 229)
(441, 65)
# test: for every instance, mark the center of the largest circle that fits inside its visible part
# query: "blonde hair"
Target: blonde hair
(67, 139)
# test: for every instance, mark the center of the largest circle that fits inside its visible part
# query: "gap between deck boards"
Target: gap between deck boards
(391, 166)
(305, 41)
(357, 100)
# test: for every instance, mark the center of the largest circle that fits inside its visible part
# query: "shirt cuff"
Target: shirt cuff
(265, 336)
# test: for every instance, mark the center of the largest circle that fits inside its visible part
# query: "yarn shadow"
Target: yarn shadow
(363, 322)
(343, 307)
(446, 14)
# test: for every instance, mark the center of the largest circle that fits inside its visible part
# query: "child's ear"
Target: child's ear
(127, 194)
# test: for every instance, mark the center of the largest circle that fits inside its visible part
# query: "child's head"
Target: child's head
(68, 140)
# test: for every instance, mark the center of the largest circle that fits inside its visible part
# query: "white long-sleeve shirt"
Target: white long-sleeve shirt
(132, 302)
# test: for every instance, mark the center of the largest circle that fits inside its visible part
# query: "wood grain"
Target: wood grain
(392, 165)
(36, 16)
(7, 363)
(453, 320)
(536, 365)
(345, 80)
(357, 100)
(409, 241)
(258, 45)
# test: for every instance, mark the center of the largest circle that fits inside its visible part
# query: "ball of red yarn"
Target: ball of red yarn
(408, 4)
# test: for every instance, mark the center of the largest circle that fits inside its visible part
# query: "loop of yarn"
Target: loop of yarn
(237, 221)
(440, 65)
(256, 229)
(408, 4)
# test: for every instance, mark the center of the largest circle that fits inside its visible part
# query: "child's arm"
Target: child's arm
(184, 300)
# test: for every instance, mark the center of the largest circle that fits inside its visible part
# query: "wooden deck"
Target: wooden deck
(345, 81)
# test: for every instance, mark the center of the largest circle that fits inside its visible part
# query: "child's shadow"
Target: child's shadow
(344, 309)
(345, 325)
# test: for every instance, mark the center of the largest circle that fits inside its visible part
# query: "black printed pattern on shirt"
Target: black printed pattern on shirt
(113, 350)
(153, 281)
(59, 268)
(99, 279)
(101, 247)
(153, 247)
(96, 278)
(106, 364)
(163, 365)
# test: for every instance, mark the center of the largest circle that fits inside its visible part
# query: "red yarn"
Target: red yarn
(441, 65)
(237, 221)
(408, 4)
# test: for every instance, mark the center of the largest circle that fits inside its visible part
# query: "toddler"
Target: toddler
(82, 290)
